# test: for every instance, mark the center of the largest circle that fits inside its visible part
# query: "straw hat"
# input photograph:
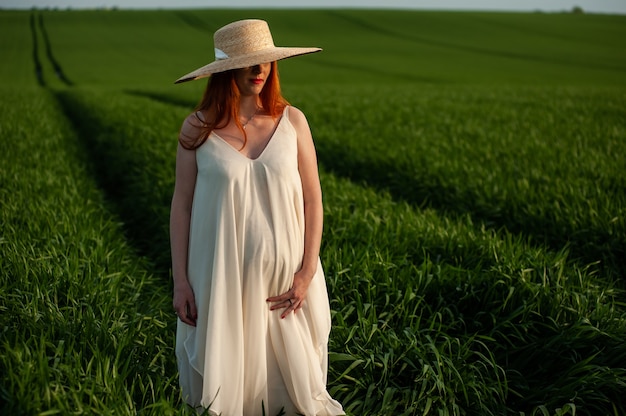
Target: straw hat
(242, 44)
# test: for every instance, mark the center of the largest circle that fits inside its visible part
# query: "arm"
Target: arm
(313, 217)
(180, 218)
(312, 192)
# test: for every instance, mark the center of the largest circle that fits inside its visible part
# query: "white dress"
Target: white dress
(246, 242)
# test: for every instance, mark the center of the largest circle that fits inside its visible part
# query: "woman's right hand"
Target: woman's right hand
(185, 303)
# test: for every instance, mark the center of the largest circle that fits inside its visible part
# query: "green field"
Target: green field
(474, 176)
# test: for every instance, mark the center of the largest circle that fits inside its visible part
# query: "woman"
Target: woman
(246, 226)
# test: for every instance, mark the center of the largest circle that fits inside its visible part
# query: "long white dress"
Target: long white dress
(246, 242)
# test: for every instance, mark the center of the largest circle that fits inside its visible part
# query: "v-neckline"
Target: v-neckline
(269, 141)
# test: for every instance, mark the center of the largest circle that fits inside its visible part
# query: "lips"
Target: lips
(257, 81)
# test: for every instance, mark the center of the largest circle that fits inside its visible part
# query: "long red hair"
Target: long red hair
(220, 104)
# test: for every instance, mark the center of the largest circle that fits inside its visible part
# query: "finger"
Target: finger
(187, 314)
(192, 311)
(187, 320)
(291, 307)
(280, 298)
(287, 311)
(280, 305)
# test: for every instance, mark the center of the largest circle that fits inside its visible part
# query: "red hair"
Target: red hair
(220, 104)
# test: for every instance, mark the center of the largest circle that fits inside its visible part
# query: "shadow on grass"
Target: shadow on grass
(406, 76)
(401, 179)
(163, 98)
(418, 188)
(126, 173)
(405, 179)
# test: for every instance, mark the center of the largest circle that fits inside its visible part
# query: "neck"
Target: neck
(249, 105)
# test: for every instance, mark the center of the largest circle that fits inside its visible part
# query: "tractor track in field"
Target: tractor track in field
(195, 22)
(37, 28)
(387, 176)
(467, 48)
(111, 185)
(162, 98)
(36, 61)
(384, 175)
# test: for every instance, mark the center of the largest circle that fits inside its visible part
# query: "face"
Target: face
(251, 80)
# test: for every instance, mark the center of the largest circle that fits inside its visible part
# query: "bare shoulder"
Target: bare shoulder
(306, 147)
(297, 118)
(192, 127)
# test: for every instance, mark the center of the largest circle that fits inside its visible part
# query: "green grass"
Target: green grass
(546, 163)
(136, 48)
(472, 167)
(85, 322)
(462, 314)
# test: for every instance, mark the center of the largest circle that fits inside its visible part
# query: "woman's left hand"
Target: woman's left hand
(293, 299)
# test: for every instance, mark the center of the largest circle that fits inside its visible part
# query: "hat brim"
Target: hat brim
(268, 55)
